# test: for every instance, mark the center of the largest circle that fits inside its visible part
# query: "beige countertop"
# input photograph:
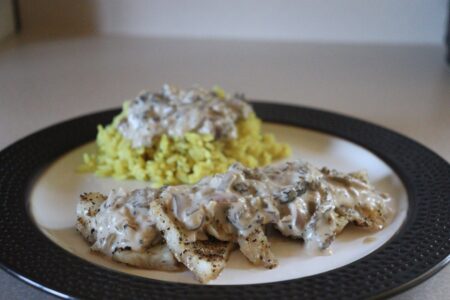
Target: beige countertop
(45, 80)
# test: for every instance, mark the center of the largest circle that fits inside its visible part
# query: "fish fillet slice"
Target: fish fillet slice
(157, 257)
(256, 248)
(206, 259)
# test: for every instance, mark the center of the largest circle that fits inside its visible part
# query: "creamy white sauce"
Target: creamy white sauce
(175, 112)
(123, 222)
(300, 200)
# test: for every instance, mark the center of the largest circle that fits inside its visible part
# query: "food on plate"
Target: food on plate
(180, 136)
(204, 257)
(98, 226)
(199, 224)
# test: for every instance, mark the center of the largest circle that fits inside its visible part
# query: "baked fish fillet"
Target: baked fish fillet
(157, 257)
(206, 259)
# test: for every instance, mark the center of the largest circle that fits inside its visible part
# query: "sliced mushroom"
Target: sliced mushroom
(193, 220)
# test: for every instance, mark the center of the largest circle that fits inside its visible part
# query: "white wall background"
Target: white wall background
(355, 21)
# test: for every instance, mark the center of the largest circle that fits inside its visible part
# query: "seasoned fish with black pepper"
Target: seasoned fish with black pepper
(299, 200)
(120, 229)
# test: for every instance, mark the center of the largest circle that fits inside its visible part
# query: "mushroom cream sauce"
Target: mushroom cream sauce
(301, 201)
(176, 112)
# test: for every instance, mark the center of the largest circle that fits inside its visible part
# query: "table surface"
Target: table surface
(44, 80)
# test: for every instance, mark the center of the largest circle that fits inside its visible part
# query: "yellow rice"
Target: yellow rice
(187, 159)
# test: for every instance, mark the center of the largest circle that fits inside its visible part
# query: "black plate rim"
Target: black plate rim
(315, 119)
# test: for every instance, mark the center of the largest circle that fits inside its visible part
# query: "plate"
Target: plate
(38, 193)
